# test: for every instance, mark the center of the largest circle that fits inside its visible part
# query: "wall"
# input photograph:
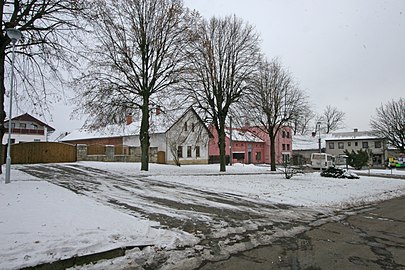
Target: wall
(24, 138)
(109, 156)
(100, 141)
(156, 140)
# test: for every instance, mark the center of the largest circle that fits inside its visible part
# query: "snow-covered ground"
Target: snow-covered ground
(41, 222)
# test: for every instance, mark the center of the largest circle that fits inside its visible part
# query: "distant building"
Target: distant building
(251, 145)
(358, 140)
(305, 145)
(26, 128)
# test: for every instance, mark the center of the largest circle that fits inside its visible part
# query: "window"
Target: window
(356, 144)
(23, 125)
(349, 143)
(180, 151)
(377, 144)
(188, 151)
(192, 127)
(185, 126)
(258, 156)
(365, 144)
(37, 140)
(283, 147)
(288, 147)
(340, 145)
(286, 158)
(197, 151)
(34, 126)
(288, 134)
(331, 145)
(283, 134)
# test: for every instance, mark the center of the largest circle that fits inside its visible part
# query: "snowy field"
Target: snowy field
(43, 222)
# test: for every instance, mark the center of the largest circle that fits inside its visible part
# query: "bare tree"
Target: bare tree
(223, 56)
(274, 102)
(49, 28)
(390, 123)
(332, 118)
(137, 58)
(302, 121)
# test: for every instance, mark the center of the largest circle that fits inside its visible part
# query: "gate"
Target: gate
(42, 152)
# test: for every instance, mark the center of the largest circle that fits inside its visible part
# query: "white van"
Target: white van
(322, 161)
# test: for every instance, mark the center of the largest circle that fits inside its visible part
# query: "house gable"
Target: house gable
(27, 118)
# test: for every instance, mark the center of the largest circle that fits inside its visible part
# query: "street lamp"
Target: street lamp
(15, 35)
(318, 126)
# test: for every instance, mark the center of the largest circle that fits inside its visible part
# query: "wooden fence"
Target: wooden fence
(42, 152)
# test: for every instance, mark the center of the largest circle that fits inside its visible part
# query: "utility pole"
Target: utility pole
(230, 141)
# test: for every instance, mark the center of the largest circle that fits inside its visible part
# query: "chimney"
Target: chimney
(157, 110)
(129, 119)
(356, 130)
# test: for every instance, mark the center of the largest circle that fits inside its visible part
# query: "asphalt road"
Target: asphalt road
(370, 239)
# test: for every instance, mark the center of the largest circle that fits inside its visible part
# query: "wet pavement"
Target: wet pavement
(373, 238)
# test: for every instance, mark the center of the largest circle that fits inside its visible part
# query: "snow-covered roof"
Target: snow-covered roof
(243, 136)
(308, 142)
(356, 135)
(158, 124)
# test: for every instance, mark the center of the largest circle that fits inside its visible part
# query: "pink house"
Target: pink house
(251, 145)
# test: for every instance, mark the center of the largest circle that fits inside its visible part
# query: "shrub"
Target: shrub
(357, 160)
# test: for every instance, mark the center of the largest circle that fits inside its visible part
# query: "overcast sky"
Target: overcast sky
(346, 53)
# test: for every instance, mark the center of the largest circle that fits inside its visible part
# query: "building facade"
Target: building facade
(187, 140)
(26, 128)
(355, 141)
(251, 145)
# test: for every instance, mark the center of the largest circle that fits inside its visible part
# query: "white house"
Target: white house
(358, 140)
(26, 128)
(187, 140)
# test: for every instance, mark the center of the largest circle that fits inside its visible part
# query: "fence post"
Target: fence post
(81, 150)
(109, 152)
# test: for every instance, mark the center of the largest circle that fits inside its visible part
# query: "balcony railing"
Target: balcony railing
(26, 131)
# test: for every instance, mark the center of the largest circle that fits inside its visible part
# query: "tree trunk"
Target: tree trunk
(144, 136)
(222, 146)
(273, 152)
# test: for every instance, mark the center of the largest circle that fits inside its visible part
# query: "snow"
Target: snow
(309, 142)
(41, 222)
